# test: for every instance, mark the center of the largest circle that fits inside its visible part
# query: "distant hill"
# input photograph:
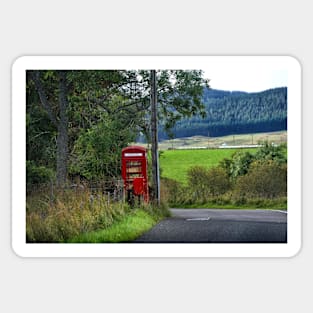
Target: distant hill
(236, 112)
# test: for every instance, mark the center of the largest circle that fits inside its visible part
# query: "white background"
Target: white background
(154, 28)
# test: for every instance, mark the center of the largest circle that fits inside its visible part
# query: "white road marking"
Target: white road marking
(279, 211)
(272, 210)
(198, 219)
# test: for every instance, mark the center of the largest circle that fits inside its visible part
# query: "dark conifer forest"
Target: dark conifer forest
(235, 113)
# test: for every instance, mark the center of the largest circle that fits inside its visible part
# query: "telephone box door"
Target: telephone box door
(134, 171)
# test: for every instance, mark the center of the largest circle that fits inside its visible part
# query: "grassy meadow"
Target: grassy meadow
(178, 155)
(174, 164)
(263, 185)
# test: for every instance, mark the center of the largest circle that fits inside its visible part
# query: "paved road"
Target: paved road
(219, 226)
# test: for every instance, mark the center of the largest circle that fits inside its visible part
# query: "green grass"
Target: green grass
(266, 204)
(127, 229)
(174, 164)
(69, 213)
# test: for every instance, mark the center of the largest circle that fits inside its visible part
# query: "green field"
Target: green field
(278, 138)
(175, 163)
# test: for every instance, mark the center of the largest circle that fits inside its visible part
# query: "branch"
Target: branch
(35, 75)
(132, 103)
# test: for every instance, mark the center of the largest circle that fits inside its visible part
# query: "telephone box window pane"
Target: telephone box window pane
(133, 163)
(133, 169)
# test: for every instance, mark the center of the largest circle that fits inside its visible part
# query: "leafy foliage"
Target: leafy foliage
(82, 119)
(37, 174)
(265, 179)
(204, 183)
(238, 165)
(245, 178)
(171, 190)
(40, 132)
(240, 161)
(272, 152)
(97, 152)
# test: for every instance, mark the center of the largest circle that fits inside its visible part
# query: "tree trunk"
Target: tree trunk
(62, 155)
(62, 140)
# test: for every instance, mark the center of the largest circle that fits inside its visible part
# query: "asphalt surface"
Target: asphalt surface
(219, 226)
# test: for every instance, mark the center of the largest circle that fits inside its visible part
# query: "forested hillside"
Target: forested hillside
(235, 113)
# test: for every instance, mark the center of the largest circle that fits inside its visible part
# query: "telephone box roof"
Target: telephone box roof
(133, 148)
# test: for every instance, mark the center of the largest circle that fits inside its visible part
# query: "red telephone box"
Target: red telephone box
(134, 172)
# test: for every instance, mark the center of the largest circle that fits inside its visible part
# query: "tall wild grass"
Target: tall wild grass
(69, 213)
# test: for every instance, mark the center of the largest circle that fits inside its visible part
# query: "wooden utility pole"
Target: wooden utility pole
(154, 139)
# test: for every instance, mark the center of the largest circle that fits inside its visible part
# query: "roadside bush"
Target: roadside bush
(37, 174)
(171, 191)
(197, 181)
(240, 162)
(272, 152)
(265, 179)
(207, 183)
(238, 165)
(218, 181)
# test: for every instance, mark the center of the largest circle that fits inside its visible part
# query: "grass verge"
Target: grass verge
(127, 229)
(275, 204)
(84, 216)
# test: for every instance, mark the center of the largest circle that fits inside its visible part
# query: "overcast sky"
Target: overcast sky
(246, 74)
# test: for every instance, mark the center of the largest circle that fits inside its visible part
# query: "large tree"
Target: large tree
(75, 101)
(55, 102)
(64, 95)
